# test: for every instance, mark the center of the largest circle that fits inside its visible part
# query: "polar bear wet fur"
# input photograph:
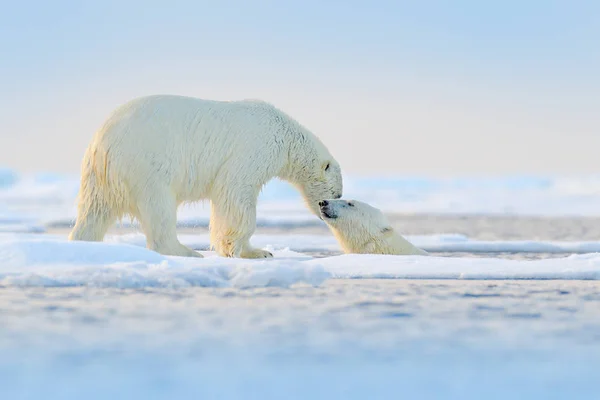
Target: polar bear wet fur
(363, 229)
(156, 152)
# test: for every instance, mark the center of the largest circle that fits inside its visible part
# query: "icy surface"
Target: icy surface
(115, 320)
(431, 243)
(353, 339)
(396, 267)
(28, 260)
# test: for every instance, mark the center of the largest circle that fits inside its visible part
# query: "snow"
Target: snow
(28, 260)
(461, 243)
(346, 339)
(114, 320)
(450, 243)
(396, 267)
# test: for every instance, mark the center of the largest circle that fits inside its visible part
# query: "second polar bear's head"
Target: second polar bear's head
(317, 175)
(362, 228)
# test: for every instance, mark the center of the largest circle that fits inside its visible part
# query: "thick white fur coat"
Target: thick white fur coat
(157, 152)
(363, 229)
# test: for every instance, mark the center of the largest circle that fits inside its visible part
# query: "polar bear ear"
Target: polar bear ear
(387, 230)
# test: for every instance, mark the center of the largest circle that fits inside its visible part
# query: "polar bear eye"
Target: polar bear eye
(351, 204)
(327, 167)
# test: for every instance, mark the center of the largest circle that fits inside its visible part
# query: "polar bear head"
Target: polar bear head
(362, 228)
(318, 177)
(323, 181)
(310, 167)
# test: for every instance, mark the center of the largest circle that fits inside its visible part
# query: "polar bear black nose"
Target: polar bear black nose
(323, 203)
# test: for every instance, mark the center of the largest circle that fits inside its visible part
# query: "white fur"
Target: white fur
(157, 152)
(363, 229)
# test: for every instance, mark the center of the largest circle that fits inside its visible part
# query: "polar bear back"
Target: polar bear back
(187, 141)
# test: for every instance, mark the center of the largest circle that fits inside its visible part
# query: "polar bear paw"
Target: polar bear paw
(256, 253)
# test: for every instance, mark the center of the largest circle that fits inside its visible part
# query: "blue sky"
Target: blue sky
(427, 87)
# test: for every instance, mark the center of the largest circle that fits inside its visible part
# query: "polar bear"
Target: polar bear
(363, 229)
(156, 152)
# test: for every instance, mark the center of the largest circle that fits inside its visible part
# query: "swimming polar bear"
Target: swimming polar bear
(156, 152)
(363, 229)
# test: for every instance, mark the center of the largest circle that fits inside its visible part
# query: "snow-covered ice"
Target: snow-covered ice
(431, 243)
(29, 260)
(395, 267)
(350, 339)
(52, 261)
(115, 320)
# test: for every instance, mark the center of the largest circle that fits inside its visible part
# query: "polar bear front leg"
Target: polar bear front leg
(157, 212)
(231, 226)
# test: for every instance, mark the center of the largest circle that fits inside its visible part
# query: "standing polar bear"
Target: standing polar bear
(156, 152)
(363, 229)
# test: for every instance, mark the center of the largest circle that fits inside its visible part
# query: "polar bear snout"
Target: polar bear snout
(326, 210)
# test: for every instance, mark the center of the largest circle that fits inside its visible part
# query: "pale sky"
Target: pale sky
(391, 87)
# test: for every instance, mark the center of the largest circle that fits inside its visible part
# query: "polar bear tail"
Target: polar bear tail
(95, 210)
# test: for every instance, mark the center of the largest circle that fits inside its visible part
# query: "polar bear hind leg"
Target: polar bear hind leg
(95, 213)
(92, 222)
